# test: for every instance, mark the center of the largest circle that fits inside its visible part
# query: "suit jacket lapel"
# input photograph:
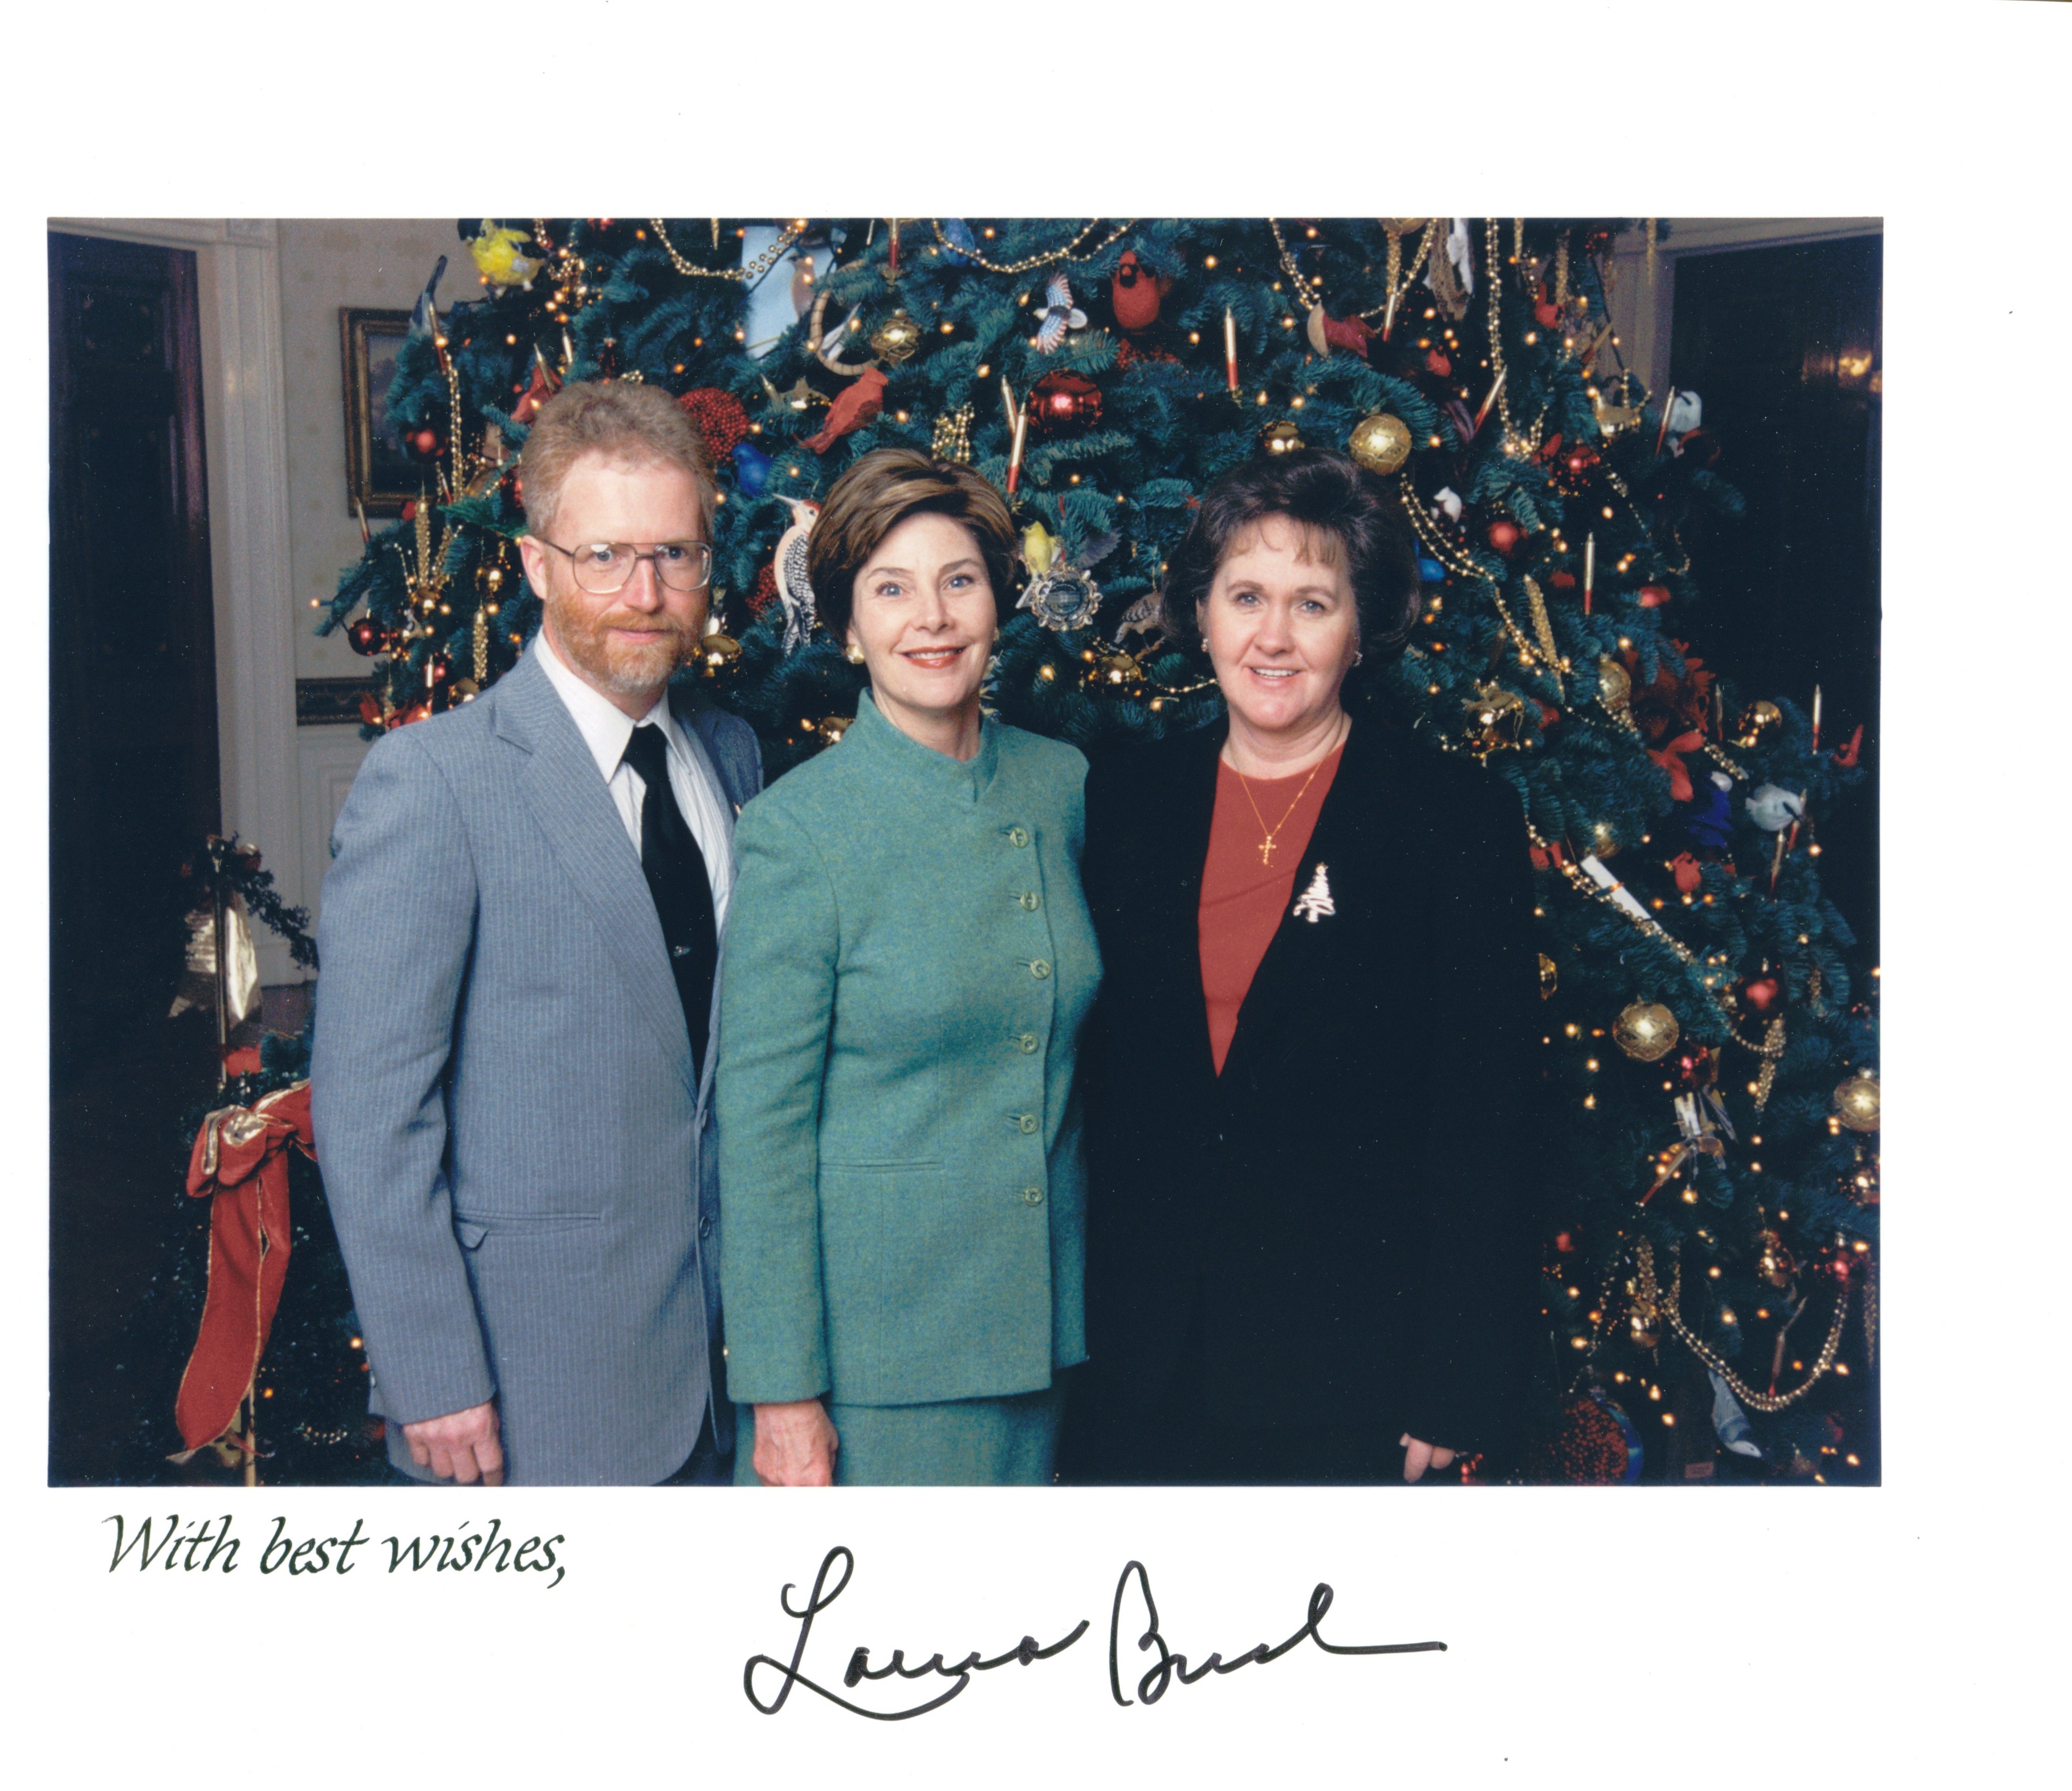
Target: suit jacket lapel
(560, 786)
(1188, 817)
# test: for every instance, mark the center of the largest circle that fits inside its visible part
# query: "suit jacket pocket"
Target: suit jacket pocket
(888, 1233)
(472, 1228)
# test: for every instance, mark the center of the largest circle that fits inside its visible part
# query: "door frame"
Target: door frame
(244, 417)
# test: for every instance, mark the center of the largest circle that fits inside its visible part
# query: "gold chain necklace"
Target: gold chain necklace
(1267, 845)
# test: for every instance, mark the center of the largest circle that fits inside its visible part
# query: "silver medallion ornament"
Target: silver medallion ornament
(1315, 902)
(1057, 595)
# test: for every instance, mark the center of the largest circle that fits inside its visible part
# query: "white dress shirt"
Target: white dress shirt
(606, 728)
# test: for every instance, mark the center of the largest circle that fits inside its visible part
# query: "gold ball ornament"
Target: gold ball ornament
(1282, 437)
(1381, 443)
(718, 651)
(830, 729)
(1645, 1030)
(896, 338)
(1550, 978)
(1121, 670)
(1614, 685)
(1644, 1323)
(1857, 1103)
(1402, 227)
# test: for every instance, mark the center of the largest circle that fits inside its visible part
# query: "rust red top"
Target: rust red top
(1245, 891)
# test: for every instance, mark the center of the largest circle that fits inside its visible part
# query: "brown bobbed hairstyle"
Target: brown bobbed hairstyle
(878, 494)
(619, 419)
(1324, 495)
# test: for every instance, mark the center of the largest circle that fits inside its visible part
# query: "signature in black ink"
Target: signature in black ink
(1025, 1653)
(1171, 1666)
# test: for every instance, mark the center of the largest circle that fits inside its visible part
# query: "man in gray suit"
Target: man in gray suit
(512, 1084)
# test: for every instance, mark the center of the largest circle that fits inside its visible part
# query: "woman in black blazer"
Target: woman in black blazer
(1309, 1254)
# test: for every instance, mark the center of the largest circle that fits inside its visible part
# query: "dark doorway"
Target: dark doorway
(1785, 346)
(134, 788)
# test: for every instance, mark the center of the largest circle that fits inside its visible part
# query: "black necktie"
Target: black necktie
(677, 879)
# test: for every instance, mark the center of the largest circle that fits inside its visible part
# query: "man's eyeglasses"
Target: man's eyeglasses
(602, 568)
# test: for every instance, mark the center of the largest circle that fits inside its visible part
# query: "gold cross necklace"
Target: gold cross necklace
(1267, 845)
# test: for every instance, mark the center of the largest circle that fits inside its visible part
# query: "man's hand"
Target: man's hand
(460, 1446)
(794, 1445)
(1418, 1456)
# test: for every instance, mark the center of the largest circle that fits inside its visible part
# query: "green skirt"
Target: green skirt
(1011, 1441)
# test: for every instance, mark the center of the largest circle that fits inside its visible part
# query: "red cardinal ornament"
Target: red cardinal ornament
(1135, 293)
(1349, 333)
(863, 400)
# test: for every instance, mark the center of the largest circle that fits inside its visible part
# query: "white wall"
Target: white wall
(327, 264)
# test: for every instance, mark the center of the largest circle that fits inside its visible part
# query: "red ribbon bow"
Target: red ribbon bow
(1670, 758)
(240, 1163)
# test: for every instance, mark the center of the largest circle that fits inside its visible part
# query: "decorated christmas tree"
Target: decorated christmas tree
(1711, 1102)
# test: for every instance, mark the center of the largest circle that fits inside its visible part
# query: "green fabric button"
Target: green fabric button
(1033, 1196)
(1017, 836)
(1028, 1122)
(1028, 1041)
(1031, 901)
(1039, 970)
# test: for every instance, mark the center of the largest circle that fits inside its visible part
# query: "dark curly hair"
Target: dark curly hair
(1320, 492)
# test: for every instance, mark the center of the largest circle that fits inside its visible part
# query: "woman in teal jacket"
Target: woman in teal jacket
(908, 963)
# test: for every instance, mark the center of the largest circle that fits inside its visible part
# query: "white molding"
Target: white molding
(244, 420)
(328, 759)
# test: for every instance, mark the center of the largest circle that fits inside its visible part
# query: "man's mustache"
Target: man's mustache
(648, 623)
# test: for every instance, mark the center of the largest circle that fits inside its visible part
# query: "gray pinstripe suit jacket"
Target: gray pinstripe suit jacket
(522, 1169)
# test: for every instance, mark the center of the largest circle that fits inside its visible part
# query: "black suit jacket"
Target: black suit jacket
(1335, 1231)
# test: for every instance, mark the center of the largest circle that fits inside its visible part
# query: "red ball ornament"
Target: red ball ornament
(721, 420)
(1759, 992)
(1504, 536)
(1653, 596)
(1564, 580)
(441, 669)
(1438, 363)
(1546, 315)
(424, 442)
(367, 638)
(1579, 460)
(1064, 403)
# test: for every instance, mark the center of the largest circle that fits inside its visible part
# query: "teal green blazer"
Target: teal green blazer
(909, 961)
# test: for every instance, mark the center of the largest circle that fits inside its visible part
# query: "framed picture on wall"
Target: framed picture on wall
(377, 473)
